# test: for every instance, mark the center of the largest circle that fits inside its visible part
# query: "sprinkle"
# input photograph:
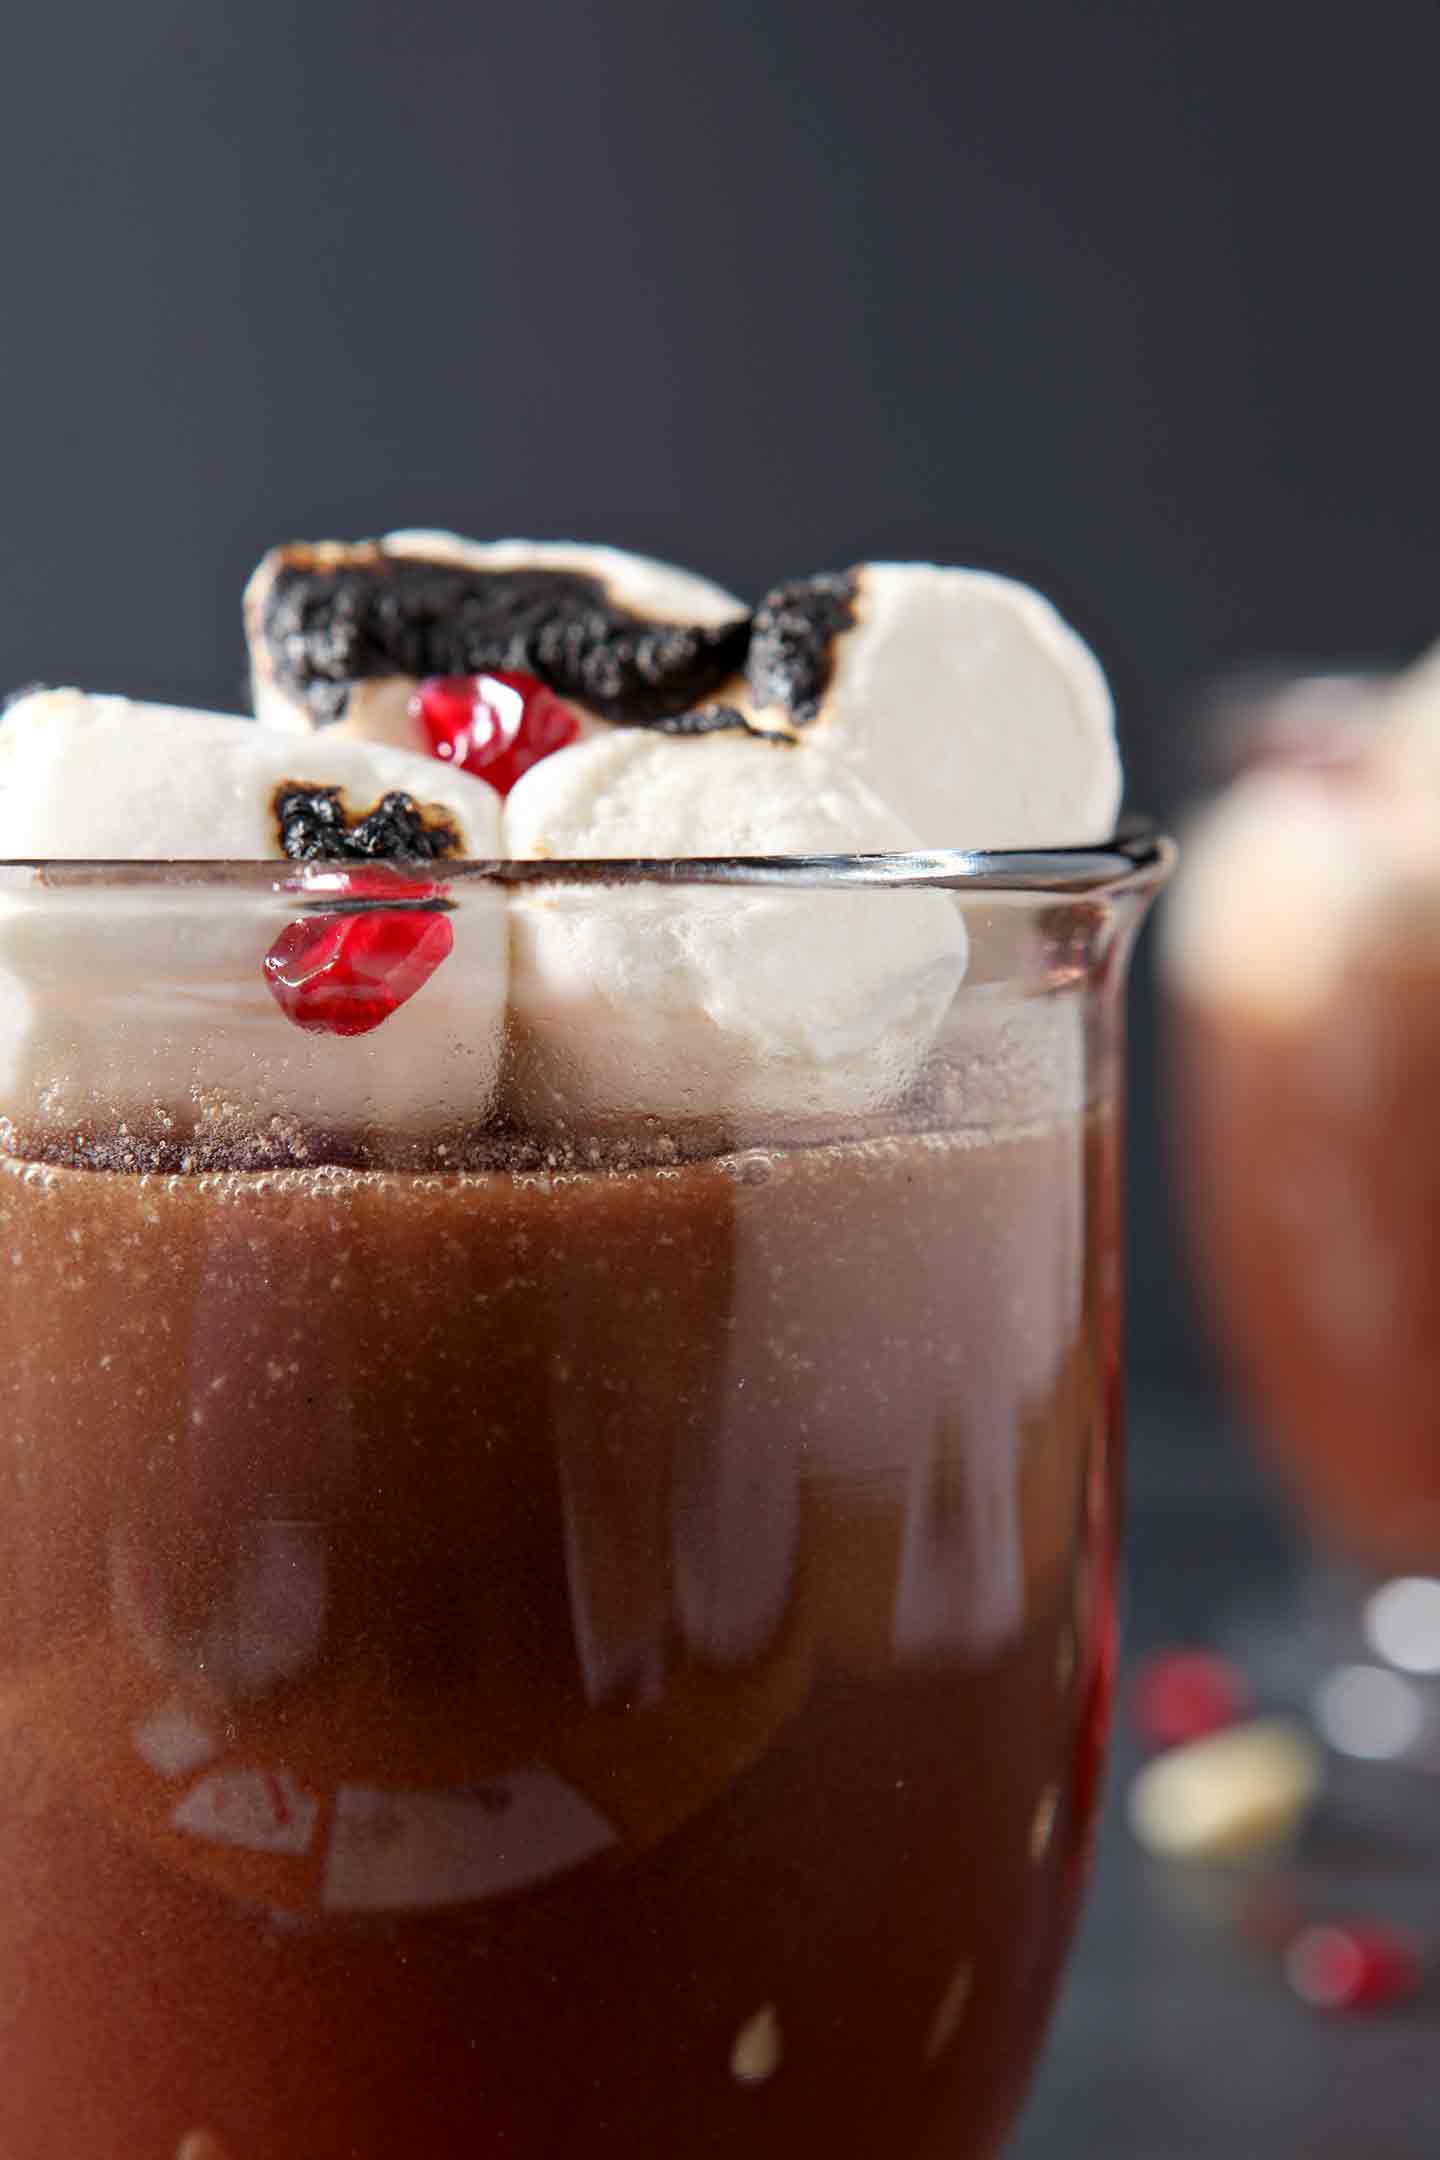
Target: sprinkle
(1042, 1822)
(1235, 1793)
(1355, 1966)
(950, 2009)
(1185, 1695)
(757, 2050)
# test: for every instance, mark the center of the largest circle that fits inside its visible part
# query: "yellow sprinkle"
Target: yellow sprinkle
(1234, 1793)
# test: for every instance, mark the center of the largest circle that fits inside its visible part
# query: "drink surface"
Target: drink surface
(584, 1662)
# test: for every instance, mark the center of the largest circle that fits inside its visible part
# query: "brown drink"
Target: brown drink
(601, 1650)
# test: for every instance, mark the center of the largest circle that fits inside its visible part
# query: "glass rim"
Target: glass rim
(1135, 858)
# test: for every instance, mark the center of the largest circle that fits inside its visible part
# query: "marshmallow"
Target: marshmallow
(723, 1002)
(1290, 874)
(1407, 740)
(154, 1008)
(107, 779)
(644, 595)
(659, 591)
(961, 697)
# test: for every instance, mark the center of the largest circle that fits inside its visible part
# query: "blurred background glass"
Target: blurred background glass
(1139, 303)
(1304, 995)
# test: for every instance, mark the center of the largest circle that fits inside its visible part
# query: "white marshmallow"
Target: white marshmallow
(123, 1005)
(1407, 740)
(967, 702)
(694, 1003)
(1271, 885)
(1288, 874)
(107, 779)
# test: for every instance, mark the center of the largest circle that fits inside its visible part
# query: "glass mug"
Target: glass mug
(1307, 1058)
(573, 1630)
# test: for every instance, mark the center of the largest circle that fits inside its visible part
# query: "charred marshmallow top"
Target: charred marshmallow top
(345, 632)
(961, 697)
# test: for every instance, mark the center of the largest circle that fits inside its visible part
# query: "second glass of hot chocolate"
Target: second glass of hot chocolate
(1305, 974)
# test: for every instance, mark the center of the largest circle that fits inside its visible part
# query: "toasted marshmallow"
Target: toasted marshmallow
(719, 1003)
(1290, 875)
(660, 591)
(645, 594)
(155, 1011)
(962, 698)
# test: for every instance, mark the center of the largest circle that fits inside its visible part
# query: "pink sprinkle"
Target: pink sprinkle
(1184, 1694)
(1352, 1966)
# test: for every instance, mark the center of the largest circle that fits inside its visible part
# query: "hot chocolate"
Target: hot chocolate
(613, 1656)
(558, 1433)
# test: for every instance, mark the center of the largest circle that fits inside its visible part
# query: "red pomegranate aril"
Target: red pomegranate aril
(495, 725)
(1358, 1965)
(445, 707)
(1183, 1695)
(346, 974)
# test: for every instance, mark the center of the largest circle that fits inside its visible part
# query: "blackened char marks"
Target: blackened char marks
(712, 720)
(328, 625)
(312, 825)
(792, 642)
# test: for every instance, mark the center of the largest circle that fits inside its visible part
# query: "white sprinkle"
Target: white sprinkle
(200, 2145)
(1366, 1711)
(758, 2049)
(1402, 1620)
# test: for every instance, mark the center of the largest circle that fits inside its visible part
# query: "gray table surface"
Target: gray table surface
(1175, 2039)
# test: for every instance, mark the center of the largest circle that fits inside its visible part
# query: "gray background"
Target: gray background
(1137, 299)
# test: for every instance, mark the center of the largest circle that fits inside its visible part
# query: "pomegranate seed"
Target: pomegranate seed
(345, 974)
(1184, 1695)
(1355, 1966)
(496, 725)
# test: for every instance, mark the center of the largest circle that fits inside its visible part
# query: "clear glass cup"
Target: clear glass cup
(557, 1579)
(1306, 1045)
